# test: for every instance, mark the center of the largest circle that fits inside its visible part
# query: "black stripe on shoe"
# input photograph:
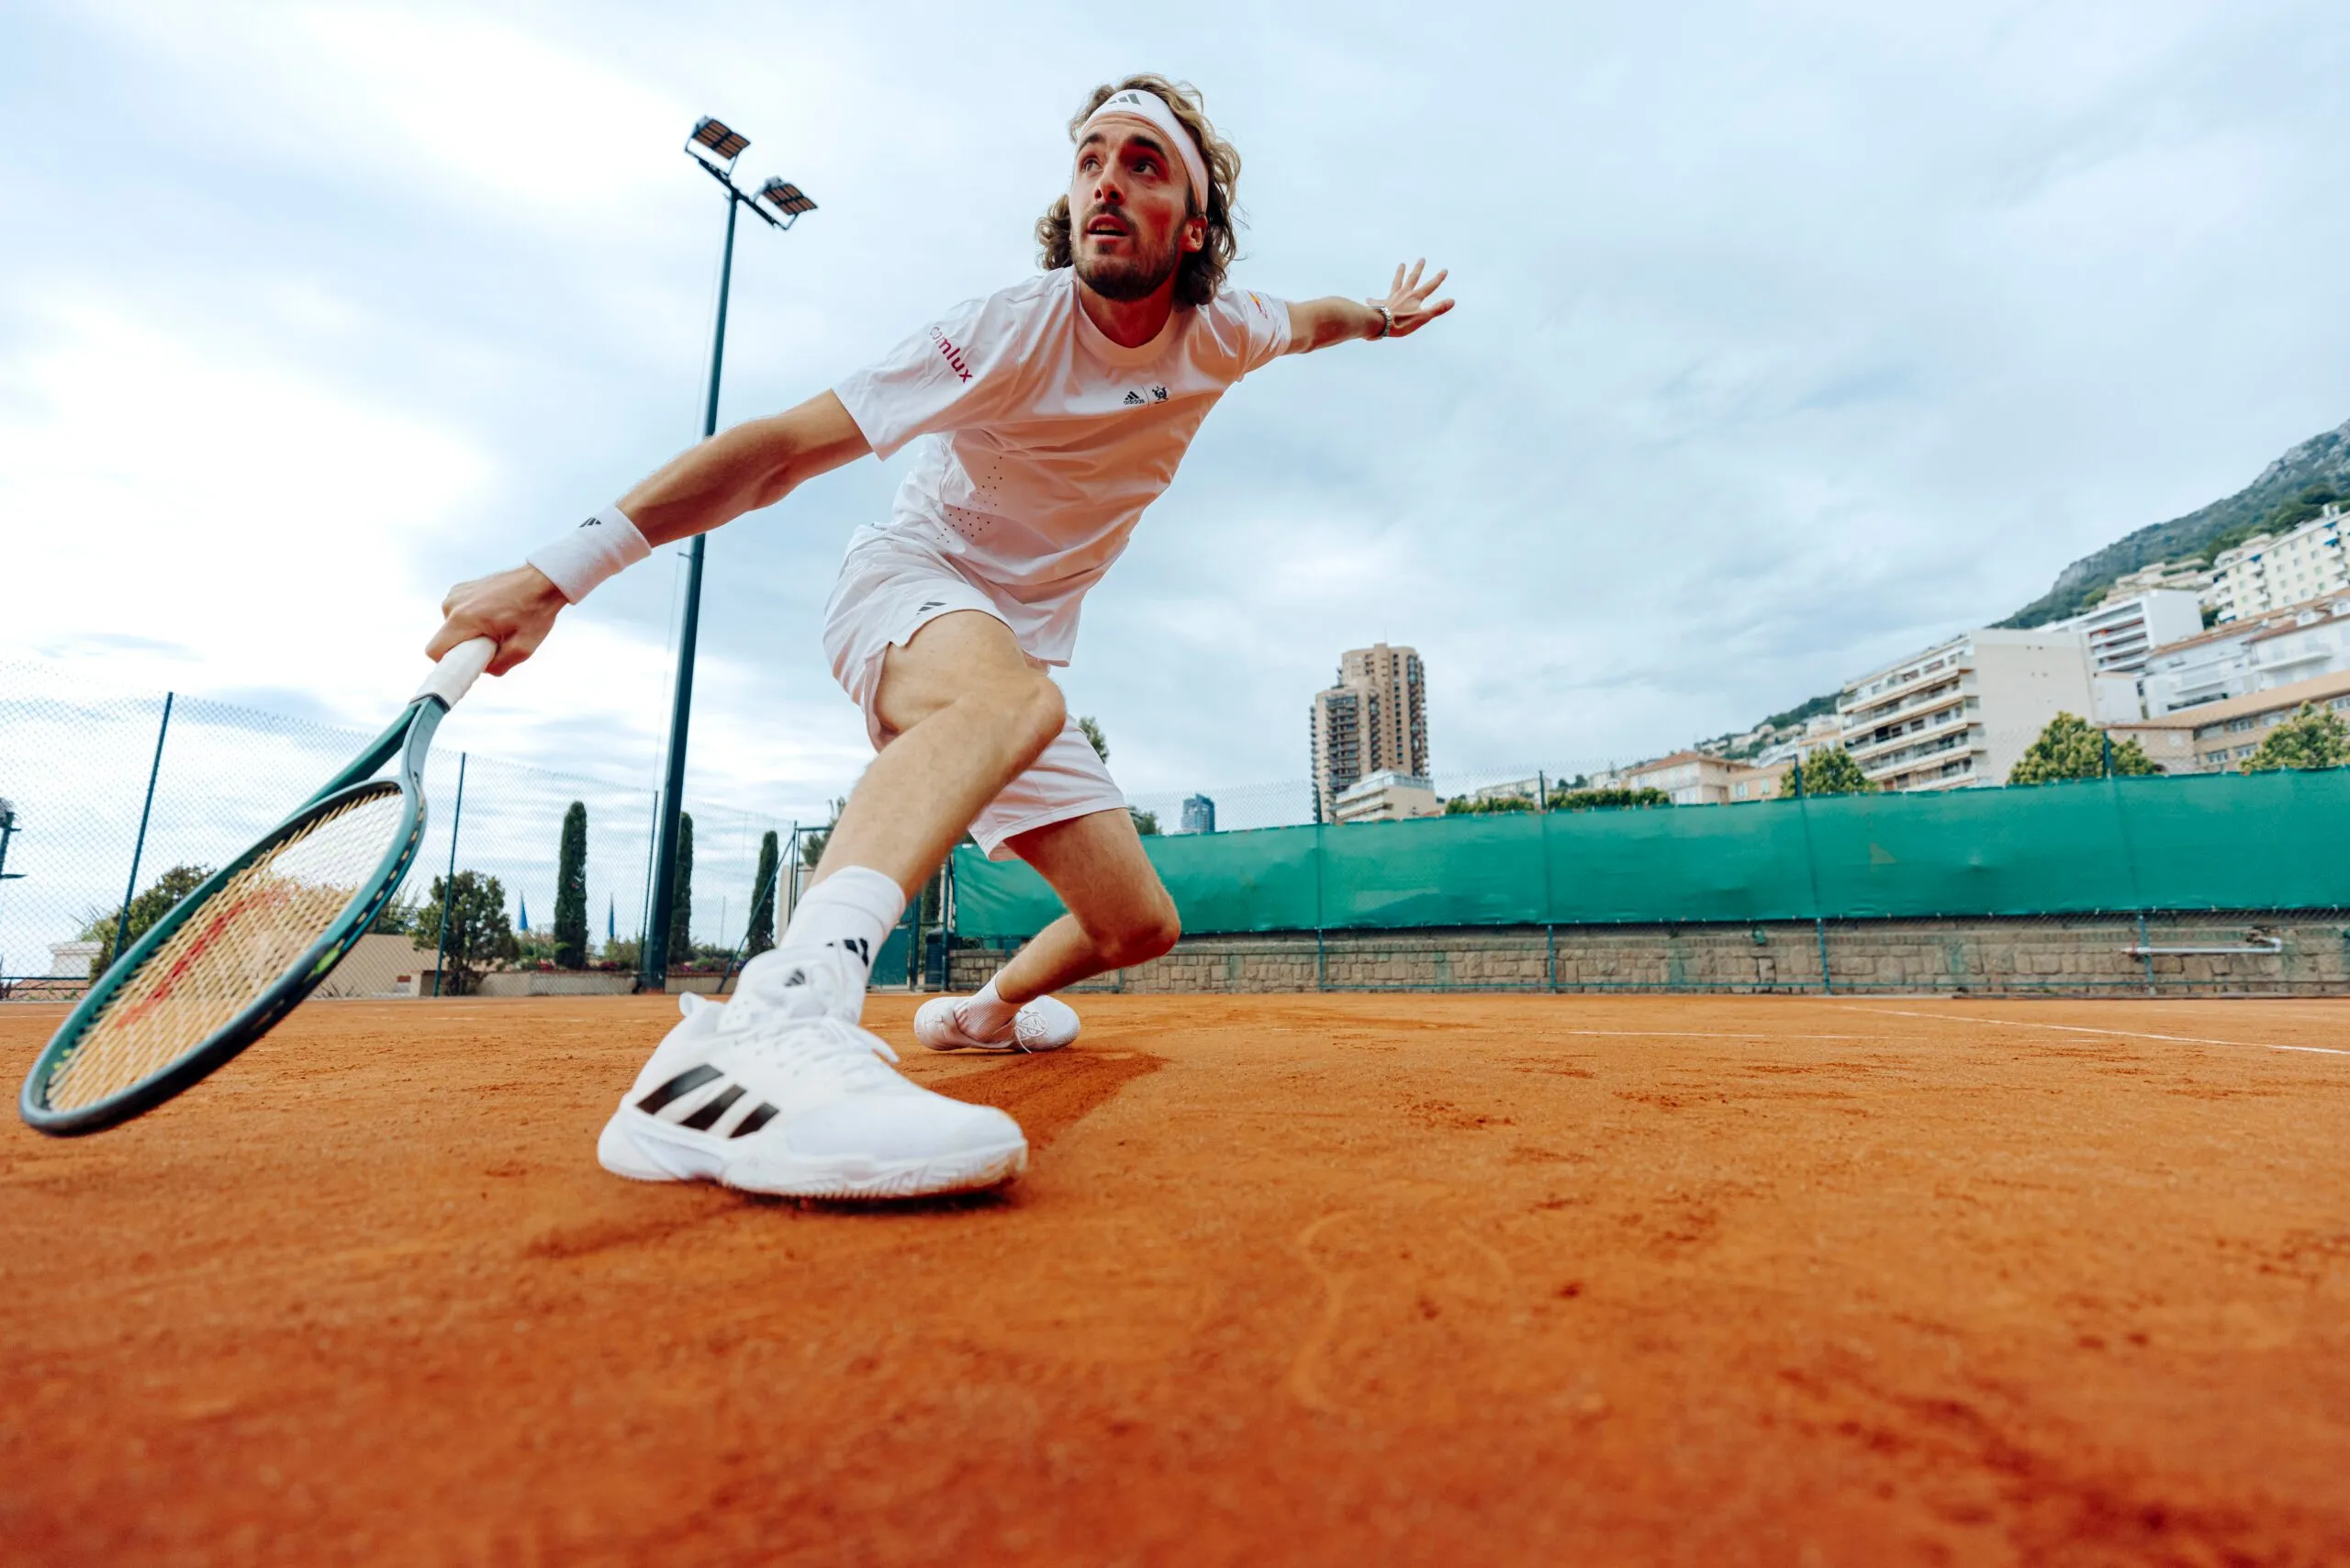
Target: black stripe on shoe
(685, 1083)
(760, 1116)
(701, 1121)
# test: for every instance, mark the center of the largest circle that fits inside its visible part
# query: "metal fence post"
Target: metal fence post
(2130, 862)
(644, 913)
(1321, 957)
(1811, 872)
(449, 883)
(138, 846)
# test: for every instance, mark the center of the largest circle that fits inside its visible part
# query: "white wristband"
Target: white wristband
(599, 548)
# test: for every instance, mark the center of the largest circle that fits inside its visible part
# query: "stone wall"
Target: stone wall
(2242, 953)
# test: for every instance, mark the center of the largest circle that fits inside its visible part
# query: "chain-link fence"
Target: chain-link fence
(110, 802)
(114, 801)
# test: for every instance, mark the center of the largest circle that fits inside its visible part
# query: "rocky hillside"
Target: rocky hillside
(2320, 460)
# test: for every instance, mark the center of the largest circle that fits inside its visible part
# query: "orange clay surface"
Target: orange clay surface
(1316, 1280)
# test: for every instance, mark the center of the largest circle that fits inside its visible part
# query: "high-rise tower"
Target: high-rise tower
(1374, 720)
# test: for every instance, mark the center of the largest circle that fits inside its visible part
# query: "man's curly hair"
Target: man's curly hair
(1201, 273)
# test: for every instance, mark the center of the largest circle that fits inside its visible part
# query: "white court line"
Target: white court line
(2084, 1029)
(1706, 1035)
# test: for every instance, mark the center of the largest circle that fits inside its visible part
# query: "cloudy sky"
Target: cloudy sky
(1790, 336)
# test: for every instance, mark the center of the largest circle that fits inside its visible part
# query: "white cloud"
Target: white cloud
(1790, 337)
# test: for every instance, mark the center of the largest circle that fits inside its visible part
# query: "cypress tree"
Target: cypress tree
(681, 915)
(763, 896)
(571, 891)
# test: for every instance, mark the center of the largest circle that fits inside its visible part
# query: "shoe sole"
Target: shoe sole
(645, 1149)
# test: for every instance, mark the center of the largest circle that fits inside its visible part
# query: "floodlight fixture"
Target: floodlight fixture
(787, 198)
(724, 143)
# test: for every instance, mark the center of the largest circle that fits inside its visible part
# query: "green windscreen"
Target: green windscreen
(2221, 841)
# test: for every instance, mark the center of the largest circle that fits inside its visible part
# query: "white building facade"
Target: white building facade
(2123, 630)
(1388, 797)
(2235, 658)
(1957, 715)
(2269, 572)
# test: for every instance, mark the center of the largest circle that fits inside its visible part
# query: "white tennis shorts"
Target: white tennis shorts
(891, 587)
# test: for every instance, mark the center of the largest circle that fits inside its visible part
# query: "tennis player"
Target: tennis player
(1045, 418)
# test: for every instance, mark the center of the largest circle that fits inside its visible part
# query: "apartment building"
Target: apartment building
(1691, 777)
(2218, 664)
(1818, 731)
(2185, 577)
(1700, 778)
(1957, 715)
(1373, 719)
(2217, 737)
(2299, 643)
(1198, 814)
(1387, 796)
(2267, 572)
(1761, 782)
(2124, 629)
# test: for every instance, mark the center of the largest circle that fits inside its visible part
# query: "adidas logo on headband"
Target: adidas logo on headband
(1133, 103)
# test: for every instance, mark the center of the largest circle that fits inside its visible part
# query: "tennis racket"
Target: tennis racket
(235, 956)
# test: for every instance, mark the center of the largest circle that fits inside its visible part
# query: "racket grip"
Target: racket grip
(457, 671)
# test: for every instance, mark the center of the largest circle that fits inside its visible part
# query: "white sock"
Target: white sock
(986, 1015)
(852, 910)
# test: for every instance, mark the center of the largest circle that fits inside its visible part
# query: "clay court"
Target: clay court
(1338, 1280)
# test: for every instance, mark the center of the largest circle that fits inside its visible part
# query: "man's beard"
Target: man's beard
(1130, 277)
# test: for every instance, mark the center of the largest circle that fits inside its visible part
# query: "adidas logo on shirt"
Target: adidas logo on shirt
(1132, 399)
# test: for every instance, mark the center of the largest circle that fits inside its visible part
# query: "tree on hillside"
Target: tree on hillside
(1094, 736)
(2310, 738)
(147, 908)
(473, 907)
(1492, 805)
(681, 914)
(2069, 748)
(763, 882)
(571, 891)
(1606, 800)
(1828, 771)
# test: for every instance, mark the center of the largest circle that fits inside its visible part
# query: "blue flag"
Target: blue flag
(525, 919)
(611, 932)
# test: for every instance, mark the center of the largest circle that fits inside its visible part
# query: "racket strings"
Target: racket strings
(243, 938)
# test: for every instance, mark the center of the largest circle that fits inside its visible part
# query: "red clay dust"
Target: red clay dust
(1295, 1280)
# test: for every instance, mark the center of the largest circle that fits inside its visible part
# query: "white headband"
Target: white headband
(1133, 103)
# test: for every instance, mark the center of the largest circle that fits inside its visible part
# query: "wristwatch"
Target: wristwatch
(1386, 320)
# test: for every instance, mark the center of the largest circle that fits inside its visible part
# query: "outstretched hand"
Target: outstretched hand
(1408, 299)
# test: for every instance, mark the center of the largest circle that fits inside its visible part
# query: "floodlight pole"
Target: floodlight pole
(653, 957)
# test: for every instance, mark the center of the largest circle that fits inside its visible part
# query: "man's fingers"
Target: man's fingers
(448, 637)
(1419, 319)
(1396, 287)
(1435, 282)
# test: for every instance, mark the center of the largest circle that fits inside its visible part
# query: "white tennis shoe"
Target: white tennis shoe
(778, 1090)
(1045, 1023)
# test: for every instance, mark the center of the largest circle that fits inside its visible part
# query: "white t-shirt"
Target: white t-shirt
(1042, 441)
